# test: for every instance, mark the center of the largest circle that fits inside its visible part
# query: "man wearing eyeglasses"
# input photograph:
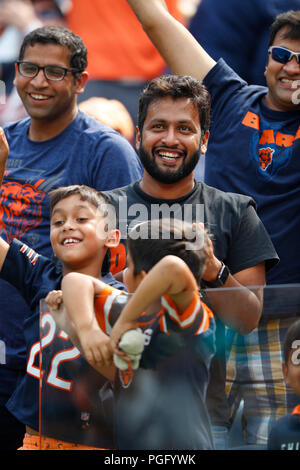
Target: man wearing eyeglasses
(253, 149)
(56, 145)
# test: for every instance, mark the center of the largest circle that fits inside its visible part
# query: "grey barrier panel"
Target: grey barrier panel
(78, 404)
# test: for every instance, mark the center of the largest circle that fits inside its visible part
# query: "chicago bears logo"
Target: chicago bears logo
(20, 209)
(270, 148)
(265, 157)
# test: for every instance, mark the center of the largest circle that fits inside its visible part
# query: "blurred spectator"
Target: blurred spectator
(17, 18)
(112, 113)
(238, 32)
(121, 58)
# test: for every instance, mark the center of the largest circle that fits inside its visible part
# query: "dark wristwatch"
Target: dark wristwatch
(221, 277)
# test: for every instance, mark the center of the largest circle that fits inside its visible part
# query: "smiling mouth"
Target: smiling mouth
(70, 241)
(38, 97)
(290, 83)
(169, 156)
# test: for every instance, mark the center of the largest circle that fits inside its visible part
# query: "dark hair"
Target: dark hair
(84, 192)
(291, 19)
(60, 36)
(176, 86)
(148, 242)
(292, 334)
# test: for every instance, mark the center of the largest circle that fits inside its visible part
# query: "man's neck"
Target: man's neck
(40, 129)
(160, 190)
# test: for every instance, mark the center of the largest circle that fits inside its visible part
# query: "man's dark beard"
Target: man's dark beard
(167, 176)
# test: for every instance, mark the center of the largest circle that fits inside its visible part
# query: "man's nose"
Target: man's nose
(170, 136)
(292, 66)
(39, 80)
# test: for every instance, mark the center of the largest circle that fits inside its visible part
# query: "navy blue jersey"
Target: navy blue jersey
(285, 435)
(162, 404)
(34, 275)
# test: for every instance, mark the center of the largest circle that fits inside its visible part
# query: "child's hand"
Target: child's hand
(117, 331)
(132, 343)
(54, 299)
(95, 346)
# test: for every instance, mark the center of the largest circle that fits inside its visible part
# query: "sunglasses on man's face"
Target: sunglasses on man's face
(283, 55)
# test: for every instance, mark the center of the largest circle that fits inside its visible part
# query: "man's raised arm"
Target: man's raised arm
(180, 50)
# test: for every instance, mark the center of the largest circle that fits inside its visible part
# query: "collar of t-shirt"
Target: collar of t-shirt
(168, 201)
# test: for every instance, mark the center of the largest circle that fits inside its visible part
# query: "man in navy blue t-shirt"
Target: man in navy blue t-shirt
(57, 145)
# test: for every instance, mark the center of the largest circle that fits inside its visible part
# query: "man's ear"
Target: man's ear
(16, 71)
(81, 82)
(137, 138)
(113, 238)
(204, 142)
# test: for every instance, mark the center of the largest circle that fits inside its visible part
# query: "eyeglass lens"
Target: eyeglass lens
(51, 72)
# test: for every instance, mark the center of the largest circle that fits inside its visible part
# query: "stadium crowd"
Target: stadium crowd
(114, 115)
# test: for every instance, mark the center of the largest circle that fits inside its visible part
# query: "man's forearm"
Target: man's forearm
(147, 11)
(239, 302)
(238, 308)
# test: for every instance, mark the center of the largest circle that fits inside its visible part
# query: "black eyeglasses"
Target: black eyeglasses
(283, 55)
(51, 72)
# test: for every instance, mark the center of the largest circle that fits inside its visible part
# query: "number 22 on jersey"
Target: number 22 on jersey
(34, 362)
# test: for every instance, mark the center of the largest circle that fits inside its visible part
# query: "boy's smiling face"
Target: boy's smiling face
(78, 237)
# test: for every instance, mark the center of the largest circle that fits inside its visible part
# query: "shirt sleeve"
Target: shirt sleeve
(194, 320)
(251, 244)
(115, 163)
(31, 274)
(108, 307)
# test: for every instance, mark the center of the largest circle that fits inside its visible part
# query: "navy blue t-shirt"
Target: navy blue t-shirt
(254, 150)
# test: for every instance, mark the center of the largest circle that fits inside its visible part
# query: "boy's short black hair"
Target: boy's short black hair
(176, 87)
(292, 334)
(289, 19)
(60, 36)
(86, 193)
(150, 241)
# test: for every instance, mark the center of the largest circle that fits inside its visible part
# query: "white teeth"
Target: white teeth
(168, 155)
(39, 97)
(287, 80)
(70, 240)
